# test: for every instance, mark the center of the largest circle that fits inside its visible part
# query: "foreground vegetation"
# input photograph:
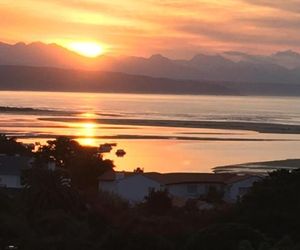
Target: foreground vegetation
(62, 209)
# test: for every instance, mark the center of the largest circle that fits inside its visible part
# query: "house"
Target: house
(135, 186)
(11, 168)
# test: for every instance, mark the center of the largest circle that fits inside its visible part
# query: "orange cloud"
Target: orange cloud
(142, 27)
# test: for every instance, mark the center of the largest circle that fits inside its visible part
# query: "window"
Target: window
(243, 190)
(192, 188)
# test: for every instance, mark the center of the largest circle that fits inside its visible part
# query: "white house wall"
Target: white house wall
(108, 186)
(182, 189)
(133, 188)
(233, 191)
(136, 187)
(10, 181)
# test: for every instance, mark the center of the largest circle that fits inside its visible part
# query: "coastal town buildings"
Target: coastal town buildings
(134, 186)
(11, 168)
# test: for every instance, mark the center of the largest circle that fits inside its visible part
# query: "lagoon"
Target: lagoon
(154, 143)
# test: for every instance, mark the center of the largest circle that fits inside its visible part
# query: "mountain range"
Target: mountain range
(39, 66)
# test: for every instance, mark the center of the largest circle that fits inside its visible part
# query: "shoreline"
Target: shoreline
(150, 93)
(152, 137)
(272, 128)
(259, 167)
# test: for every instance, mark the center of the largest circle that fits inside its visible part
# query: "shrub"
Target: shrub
(158, 202)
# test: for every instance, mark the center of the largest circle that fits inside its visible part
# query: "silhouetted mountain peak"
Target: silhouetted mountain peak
(20, 45)
(158, 57)
(235, 53)
(210, 60)
(42, 54)
(44, 46)
(229, 66)
(289, 53)
(2, 44)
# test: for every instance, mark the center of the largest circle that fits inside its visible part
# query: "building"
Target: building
(11, 168)
(135, 186)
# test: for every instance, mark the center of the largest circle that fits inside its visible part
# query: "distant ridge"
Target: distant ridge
(39, 66)
(231, 66)
(57, 79)
(42, 55)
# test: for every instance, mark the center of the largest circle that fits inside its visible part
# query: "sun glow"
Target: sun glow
(89, 49)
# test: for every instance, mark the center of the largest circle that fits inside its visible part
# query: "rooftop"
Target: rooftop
(176, 178)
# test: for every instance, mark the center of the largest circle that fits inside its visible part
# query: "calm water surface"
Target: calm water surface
(163, 154)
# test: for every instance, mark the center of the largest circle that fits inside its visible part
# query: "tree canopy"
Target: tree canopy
(83, 164)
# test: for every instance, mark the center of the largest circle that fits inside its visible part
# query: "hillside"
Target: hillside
(55, 79)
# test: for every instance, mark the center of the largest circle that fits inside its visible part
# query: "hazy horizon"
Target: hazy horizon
(229, 54)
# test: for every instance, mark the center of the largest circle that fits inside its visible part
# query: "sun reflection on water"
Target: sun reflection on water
(87, 133)
(88, 115)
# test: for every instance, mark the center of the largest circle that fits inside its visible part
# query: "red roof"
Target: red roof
(177, 178)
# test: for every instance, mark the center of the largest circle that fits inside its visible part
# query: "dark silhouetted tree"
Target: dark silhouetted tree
(10, 146)
(83, 164)
(49, 190)
(225, 237)
(138, 170)
(158, 202)
(214, 195)
(273, 204)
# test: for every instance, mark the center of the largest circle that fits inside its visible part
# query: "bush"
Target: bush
(223, 236)
(158, 202)
(273, 204)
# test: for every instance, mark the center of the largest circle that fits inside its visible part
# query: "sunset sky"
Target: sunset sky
(174, 28)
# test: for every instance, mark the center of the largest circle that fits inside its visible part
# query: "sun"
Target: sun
(89, 49)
